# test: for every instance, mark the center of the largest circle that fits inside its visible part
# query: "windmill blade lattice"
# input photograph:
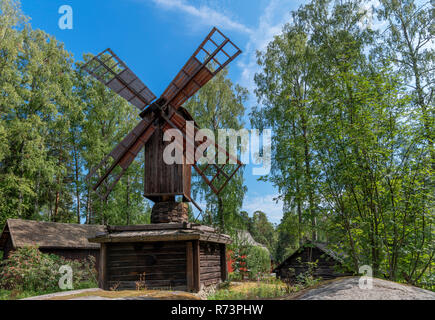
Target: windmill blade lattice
(111, 71)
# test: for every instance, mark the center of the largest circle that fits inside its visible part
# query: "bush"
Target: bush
(258, 262)
(235, 276)
(28, 269)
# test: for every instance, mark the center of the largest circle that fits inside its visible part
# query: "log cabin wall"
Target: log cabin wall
(325, 269)
(211, 266)
(164, 265)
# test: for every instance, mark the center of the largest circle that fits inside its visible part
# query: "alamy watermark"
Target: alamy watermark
(250, 146)
(66, 280)
(66, 20)
(366, 280)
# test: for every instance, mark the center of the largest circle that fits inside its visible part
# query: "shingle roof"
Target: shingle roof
(245, 236)
(339, 257)
(50, 234)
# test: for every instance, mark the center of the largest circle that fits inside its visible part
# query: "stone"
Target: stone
(170, 211)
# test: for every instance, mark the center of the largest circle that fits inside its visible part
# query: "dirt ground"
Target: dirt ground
(348, 289)
(338, 289)
(98, 294)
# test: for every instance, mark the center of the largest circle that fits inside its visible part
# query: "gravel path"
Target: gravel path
(348, 289)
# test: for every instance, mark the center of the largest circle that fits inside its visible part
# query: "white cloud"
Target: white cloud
(205, 15)
(270, 24)
(266, 203)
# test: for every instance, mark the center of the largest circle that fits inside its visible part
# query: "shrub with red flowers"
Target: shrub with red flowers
(28, 268)
(238, 258)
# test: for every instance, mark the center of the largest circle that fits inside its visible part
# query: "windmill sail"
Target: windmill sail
(111, 71)
(214, 54)
(119, 159)
(220, 174)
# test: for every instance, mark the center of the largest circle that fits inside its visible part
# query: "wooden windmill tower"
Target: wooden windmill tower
(170, 251)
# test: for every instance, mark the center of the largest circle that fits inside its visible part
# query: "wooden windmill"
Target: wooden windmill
(162, 182)
(169, 252)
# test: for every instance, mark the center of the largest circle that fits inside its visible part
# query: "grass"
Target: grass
(154, 294)
(267, 288)
(22, 294)
(18, 294)
(250, 290)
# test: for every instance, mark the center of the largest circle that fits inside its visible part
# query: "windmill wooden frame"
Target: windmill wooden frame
(162, 182)
(171, 252)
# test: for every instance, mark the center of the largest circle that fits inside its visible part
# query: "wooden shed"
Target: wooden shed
(181, 256)
(329, 263)
(63, 239)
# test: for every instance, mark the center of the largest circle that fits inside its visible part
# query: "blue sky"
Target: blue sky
(156, 37)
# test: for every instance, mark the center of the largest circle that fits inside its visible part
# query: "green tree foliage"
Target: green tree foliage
(55, 124)
(263, 231)
(257, 261)
(220, 105)
(353, 144)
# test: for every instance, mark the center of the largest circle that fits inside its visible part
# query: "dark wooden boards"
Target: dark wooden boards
(161, 264)
(326, 266)
(189, 267)
(102, 272)
(210, 263)
(163, 179)
(186, 264)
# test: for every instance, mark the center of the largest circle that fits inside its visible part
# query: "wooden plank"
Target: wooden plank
(146, 227)
(181, 276)
(144, 256)
(211, 275)
(216, 259)
(147, 269)
(216, 268)
(155, 245)
(189, 267)
(178, 262)
(205, 264)
(224, 271)
(150, 238)
(196, 266)
(102, 275)
(210, 282)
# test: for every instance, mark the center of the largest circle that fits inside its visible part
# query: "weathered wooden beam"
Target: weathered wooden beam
(102, 275)
(224, 271)
(196, 266)
(147, 227)
(189, 267)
